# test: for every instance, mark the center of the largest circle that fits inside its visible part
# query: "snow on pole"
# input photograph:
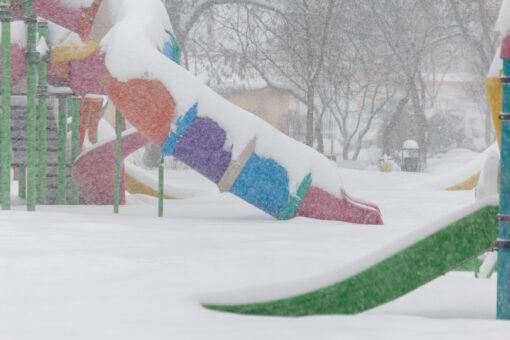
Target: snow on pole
(118, 150)
(42, 94)
(5, 124)
(62, 148)
(503, 242)
(32, 60)
(75, 143)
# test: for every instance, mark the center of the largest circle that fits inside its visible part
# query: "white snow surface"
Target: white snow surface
(18, 33)
(77, 3)
(81, 272)
(503, 22)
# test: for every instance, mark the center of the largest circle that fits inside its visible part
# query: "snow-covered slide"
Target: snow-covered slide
(233, 148)
(382, 276)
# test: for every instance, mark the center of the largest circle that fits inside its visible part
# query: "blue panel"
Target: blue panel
(182, 125)
(505, 104)
(503, 305)
(263, 183)
(171, 49)
(506, 67)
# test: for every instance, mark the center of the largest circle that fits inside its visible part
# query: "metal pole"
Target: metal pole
(503, 242)
(161, 185)
(118, 149)
(62, 148)
(75, 138)
(32, 59)
(42, 94)
(5, 124)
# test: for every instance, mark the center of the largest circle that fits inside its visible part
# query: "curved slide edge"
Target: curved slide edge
(381, 277)
(140, 181)
(94, 170)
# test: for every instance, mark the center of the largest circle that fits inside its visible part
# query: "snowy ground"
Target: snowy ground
(84, 273)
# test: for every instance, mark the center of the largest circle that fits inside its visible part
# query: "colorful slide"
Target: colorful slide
(171, 108)
(467, 176)
(383, 276)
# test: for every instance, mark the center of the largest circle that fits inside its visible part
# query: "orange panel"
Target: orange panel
(87, 19)
(147, 104)
(58, 74)
(17, 8)
(90, 110)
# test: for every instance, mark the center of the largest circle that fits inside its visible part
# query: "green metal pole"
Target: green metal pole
(118, 148)
(43, 112)
(75, 138)
(5, 124)
(161, 184)
(62, 148)
(32, 59)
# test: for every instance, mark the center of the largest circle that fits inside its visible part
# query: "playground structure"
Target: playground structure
(278, 180)
(230, 147)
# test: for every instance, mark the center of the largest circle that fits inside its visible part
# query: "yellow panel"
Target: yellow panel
(494, 93)
(134, 186)
(468, 184)
(67, 53)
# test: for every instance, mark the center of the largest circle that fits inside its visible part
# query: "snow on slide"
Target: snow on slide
(382, 276)
(464, 178)
(238, 151)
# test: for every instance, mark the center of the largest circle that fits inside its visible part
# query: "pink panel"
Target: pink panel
(94, 170)
(18, 67)
(86, 76)
(55, 11)
(322, 205)
(505, 47)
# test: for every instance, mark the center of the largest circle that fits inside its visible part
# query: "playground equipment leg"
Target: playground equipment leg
(32, 59)
(503, 243)
(62, 148)
(160, 186)
(75, 138)
(5, 124)
(43, 112)
(118, 149)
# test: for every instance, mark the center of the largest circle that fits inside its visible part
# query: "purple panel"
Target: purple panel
(86, 75)
(201, 148)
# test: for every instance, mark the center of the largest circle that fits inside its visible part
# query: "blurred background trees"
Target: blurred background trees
(359, 73)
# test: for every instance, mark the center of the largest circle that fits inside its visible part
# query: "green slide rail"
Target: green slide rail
(392, 277)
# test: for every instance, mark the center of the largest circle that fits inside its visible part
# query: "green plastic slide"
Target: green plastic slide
(437, 249)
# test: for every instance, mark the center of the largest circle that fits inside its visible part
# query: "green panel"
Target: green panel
(62, 149)
(43, 113)
(394, 276)
(161, 183)
(75, 143)
(118, 150)
(290, 209)
(5, 123)
(32, 60)
(28, 7)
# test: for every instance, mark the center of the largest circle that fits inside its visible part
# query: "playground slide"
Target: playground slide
(94, 169)
(141, 181)
(233, 148)
(383, 276)
(466, 177)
